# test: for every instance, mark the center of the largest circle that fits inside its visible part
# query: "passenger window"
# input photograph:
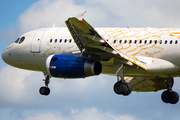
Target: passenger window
(176, 42)
(150, 41)
(60, 40)
(125, 41)
(166, 42)
(120, 41)
(155, 42)
(70, 41)
(135, 41)
(160, 42)
(17, 40)
(130, 41)
(114, 41)
(50, 40)
(140, 41)
(171, 42)
(65, 40)
(21, 40)
(145, 41)
(55, 40)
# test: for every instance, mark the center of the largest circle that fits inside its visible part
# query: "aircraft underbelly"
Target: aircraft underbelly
(137, 71)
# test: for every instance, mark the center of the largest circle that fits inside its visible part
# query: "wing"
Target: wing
(90, 41)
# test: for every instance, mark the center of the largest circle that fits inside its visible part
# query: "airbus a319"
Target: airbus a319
(143, 59)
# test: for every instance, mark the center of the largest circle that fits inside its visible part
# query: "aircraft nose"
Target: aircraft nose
(4, 56)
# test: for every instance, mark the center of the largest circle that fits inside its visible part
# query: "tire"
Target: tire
(47, 91)
(42, 90)
(166, 96)
(119, 88)
(174, 97)
(127, 89)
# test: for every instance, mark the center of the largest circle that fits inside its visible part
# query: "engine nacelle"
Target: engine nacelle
(69, 66)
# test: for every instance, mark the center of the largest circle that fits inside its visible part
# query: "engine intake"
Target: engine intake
(69, 66)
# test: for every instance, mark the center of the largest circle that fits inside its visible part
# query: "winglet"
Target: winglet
(80, 16)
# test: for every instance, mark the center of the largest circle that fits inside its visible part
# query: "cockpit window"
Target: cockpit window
(17, 40)
(21, 40)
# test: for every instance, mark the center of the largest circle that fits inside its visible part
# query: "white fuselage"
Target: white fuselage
(157, 47)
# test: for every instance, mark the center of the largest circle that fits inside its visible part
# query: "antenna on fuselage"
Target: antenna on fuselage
(54, 25)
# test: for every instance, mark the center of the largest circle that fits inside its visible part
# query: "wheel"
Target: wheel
(44, 91)
(127, 89)
(119, 88)
(166, 96)
(174, 97)
(47, 91)
(170, 97)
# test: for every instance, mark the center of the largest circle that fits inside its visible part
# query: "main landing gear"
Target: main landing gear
(45, 90)
(121, 87)
(170, 96)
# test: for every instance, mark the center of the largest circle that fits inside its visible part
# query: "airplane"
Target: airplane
(143, 59)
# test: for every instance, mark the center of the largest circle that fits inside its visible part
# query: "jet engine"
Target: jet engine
(69, 66)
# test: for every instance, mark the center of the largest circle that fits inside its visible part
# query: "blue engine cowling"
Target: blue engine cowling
(69, 66)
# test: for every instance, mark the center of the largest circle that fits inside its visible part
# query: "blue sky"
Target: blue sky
(10, 11)
(90, 98)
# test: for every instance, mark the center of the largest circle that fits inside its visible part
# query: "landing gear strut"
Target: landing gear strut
(121, 87)
(170, 96)
(45, 90)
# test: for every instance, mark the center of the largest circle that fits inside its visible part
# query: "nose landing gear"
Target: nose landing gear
(45, 90)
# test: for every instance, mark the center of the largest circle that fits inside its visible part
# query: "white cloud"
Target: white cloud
(45, 13)
(86, 114)
(12, 85)
(118, 13)
(22, 86)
